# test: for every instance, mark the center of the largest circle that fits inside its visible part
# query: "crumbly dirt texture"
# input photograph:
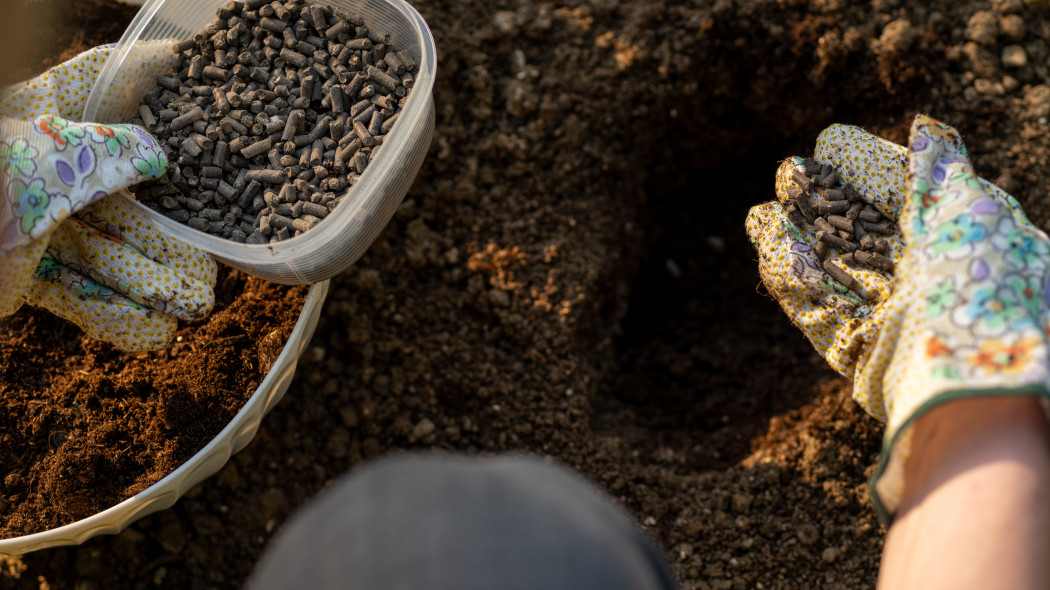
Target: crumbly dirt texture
(84, 426)
(569, 276)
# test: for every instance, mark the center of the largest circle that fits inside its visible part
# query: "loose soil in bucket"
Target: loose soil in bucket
(84, 425)
(569, 276)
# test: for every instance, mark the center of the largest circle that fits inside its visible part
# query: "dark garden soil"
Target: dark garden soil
(569, 276)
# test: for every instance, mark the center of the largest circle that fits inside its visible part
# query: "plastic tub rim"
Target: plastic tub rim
(167, 490)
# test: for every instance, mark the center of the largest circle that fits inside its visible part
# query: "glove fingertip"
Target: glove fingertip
(126, 325)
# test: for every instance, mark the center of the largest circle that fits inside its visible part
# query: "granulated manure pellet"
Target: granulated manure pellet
(842, 222)
(273, 112)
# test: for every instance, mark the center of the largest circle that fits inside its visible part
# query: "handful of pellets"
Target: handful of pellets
(844, 221)
(273, 112)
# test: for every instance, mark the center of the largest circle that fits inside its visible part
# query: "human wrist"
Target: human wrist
(957, 436)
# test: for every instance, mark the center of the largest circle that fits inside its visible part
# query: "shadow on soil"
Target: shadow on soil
(706, 356)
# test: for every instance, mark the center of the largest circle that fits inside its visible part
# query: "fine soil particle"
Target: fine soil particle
(84, 425)
(569, 276)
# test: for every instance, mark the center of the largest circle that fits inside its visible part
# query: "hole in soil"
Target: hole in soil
(706, 356)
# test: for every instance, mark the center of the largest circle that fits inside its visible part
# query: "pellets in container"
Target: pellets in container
(268, 94)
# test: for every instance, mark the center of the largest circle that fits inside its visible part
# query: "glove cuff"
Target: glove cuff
(887, 482)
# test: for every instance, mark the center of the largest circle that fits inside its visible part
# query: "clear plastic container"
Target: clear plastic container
(237, 434)
(341, 238)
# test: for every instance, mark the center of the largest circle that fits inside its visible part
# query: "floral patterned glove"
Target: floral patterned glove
(964, 312)
(63, 244)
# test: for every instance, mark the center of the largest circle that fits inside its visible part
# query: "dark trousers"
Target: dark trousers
(440, 522)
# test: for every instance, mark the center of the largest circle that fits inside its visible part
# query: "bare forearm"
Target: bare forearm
(976, 509)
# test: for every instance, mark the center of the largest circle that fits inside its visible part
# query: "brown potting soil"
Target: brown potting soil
(569, 276)
(84, 426)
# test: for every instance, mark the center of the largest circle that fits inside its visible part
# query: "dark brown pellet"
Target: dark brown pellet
(387, 103)
(191, 116)
(280, 221)
(222, 150)
(287, 193)
(221, 102)
(302, 224)
(281, 11)
(874, 260)
(830, 207)
(203, 141)
(190, 147)
(821, 250)
(293, 124)
(840, 222)
(169, 83)
(854, 210)
(802, 181)
(256, 148)
(382, 78)
(272, 25)
(388, 124)
(226, 190)
(316, 17)
(319, 211)
(230, 125)
(794, 216)
(316, 153)
(267, 176)
(830, 178)
(884, 227)
(394, 63)
(365, 115)
(211, 172)
(360, 161)
(375, 126)
(362, 133)
(839, 275)
(275, 126)
(338, 104)
(343, 155)
(196, 67)
(295, 58)
(800, 198)
(359, 107)
(836, 241)
(148, 118)
(869, 215)
(337, 29)
(216, 73)
(320, 128)
(822, 225)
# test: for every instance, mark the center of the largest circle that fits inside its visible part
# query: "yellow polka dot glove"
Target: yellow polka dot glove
(66, 246)
(963, 310)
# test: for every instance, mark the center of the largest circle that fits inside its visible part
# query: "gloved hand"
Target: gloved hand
(963, 313)
(68, 247)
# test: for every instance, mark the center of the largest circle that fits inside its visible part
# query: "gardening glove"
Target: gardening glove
(68, 247)
(964, 312)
